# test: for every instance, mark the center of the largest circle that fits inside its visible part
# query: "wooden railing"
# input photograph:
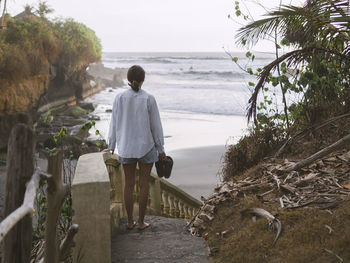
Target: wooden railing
(21, 187)
(165, 199)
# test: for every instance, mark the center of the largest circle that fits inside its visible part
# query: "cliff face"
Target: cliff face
(23, 97)
(24, 101)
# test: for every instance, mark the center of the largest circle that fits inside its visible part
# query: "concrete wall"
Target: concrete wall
(91, 204)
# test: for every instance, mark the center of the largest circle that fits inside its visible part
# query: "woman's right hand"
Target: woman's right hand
(162, 156)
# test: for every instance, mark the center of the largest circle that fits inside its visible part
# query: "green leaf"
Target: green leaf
(248, 54)
(252, 84)
(235, 59)
(285, 42)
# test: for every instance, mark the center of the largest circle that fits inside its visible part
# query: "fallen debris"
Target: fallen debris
(322, 184)
(274, 223)
(331, 252)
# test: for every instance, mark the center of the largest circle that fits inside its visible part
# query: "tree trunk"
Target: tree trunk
(56, 192)
(20, 168)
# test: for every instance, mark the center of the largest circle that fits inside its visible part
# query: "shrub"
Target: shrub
(80, 45)
(29, 45)
(251, 149)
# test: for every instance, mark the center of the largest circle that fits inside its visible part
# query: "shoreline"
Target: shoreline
(196, 169)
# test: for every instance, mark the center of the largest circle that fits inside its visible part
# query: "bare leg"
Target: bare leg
(129, 170)
(145, 170)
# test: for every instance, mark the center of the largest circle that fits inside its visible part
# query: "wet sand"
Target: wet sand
(196, 170)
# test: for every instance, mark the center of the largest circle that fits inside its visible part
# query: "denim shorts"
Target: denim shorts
(150, 157)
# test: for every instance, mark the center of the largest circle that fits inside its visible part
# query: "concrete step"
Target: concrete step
(166, 240)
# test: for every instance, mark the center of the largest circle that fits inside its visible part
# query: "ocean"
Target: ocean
(197, 94)
(202, 98)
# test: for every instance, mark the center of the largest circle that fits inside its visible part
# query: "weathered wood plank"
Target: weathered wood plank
(20, 168)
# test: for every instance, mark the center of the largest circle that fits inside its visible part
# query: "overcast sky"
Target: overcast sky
(155, 25)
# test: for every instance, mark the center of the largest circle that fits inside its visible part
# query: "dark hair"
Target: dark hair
(136, 75)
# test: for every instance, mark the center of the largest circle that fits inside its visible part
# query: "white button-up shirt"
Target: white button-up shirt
(135, 126)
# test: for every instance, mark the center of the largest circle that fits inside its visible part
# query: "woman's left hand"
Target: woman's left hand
(162, 156)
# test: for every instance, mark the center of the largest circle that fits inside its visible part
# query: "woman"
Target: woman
(137, 132)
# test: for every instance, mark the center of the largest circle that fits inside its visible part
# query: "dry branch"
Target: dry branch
(68, 242)
(329, 149)
(27, 208)
(302, 133)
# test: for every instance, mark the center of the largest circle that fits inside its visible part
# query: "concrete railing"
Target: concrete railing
(98, 203)
(91, 205)
(165, 199)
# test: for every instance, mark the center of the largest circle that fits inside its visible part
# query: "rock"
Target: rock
(76, 111)
(87, 106)
(70, 140)
(108, 76)
(94, 118)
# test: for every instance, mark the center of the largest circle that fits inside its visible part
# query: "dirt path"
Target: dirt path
(166, 240)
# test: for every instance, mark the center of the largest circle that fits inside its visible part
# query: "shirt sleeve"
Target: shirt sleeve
(112, 136)
(156, 125)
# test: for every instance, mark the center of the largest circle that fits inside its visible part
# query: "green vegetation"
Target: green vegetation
(314, 68)
(26, 47)
(80, 45)
(301, 97)
(29, 44)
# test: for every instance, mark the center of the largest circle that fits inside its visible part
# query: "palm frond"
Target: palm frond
(324, 14)
(292, 58)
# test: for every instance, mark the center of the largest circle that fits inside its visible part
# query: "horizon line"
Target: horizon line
(237, 51)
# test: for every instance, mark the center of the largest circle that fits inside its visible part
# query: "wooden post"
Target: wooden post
(56, 192)
(20, 168)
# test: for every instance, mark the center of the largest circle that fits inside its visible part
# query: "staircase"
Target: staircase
(103, 237)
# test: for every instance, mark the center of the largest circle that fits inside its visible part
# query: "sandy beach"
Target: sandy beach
(196, 169)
